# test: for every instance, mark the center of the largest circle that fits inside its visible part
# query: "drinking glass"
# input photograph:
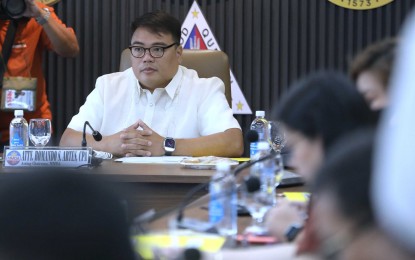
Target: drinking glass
(277, 136)
(39, 131)
(257, 203)
(279, 169)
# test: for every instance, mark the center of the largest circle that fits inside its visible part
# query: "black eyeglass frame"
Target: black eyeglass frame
(149, 50)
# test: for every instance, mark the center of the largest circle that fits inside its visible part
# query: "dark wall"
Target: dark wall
(270, 43)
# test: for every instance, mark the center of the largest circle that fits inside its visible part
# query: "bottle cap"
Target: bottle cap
(260, 113)
(18, 112)
(223, 166)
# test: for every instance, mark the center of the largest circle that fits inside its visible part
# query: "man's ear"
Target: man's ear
(179, 52)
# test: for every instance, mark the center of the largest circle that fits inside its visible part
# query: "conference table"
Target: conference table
(145, 186)
(160, 187)
(198, 210)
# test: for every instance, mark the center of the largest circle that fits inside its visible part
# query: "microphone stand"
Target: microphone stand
(151, 216)
(95, 134)
(95, 161)
(199, 187)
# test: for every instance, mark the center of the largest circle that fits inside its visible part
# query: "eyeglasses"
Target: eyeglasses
(155, 52)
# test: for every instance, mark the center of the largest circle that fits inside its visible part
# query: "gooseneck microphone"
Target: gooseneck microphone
(192, 254)
(252, 185)
(252, 136)
(95, 134)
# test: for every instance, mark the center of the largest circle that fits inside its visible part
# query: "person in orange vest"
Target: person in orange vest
(37, 29)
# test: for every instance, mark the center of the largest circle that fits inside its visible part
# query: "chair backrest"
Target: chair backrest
(207, 63)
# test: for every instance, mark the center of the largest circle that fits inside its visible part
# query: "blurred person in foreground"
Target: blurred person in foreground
(393, 186)
(158, 107)
(61, 214)
(38, 29)
(316, 112)
(344, 224)
(371, 70)
(344, 219)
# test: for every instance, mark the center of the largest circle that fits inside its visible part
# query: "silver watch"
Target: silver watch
(169, 146)
(42, 19)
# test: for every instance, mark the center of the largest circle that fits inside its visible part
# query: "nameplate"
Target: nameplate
(46, 157)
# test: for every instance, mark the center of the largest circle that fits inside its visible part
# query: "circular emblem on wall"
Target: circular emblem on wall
(360, 4)
(13, 157)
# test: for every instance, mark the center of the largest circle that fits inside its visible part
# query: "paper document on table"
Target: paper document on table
(155, 159)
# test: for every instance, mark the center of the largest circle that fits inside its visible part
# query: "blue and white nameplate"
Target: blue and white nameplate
(50, 156)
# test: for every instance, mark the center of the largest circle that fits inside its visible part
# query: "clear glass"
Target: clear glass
(277, 138)
(279, 169)
(39, 131)
(257, 203)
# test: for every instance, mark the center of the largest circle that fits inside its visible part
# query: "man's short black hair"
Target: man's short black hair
(158, 22)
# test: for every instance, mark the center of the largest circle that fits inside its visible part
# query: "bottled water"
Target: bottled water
(18, 130)
(260, 125)
(259, 202)
(265, 170)
(223, 201)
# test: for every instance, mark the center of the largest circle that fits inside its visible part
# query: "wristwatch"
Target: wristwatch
(42, 19)
(169, 146)
(293, 231)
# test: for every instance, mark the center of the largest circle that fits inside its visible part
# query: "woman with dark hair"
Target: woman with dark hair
(371, 70)
(344, 218)
(342, 205)
(315, 112)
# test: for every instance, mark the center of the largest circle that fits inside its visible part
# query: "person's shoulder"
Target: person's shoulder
(193, 79)
(117, 79)
(119, 75)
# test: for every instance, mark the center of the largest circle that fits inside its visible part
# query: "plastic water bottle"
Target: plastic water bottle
(265, 171)
(260, 125)
(223, 201)
(19, 130)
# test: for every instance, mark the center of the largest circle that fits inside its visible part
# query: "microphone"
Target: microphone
(95, 161)
(95, 134)
(252, 185)
(192, 254)
(252, 136)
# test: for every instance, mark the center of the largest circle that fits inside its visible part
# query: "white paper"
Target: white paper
(156, 159)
